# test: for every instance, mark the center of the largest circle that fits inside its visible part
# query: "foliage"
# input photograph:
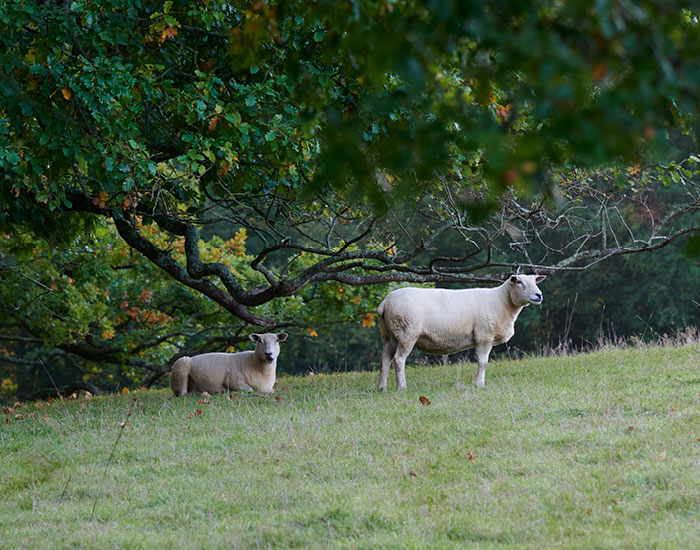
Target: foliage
(353, 143)
(595, 450)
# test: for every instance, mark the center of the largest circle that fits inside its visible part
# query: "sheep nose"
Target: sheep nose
(538, 295)
(268, 356)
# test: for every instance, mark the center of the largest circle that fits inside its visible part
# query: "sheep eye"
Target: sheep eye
(521, 283)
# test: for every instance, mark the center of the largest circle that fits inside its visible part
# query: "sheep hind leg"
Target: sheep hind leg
(482, 356)
(181, 381)
(402, 353)
(387, 354)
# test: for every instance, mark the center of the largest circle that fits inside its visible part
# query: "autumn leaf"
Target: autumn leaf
(424, 400)
(67, 93)
(662, 456)
(367, 320)
(101, 199)
(171, 32)
(599, 71)
(145, 296)
(204, 402)
(125, 391)
(278, 398)
(470, 456)
(312, 332)
(108, 334)
(213, 121)
(503, 113)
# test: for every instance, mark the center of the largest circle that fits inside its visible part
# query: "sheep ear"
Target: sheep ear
(540, 278)
(282, 336)
(254, 337)
(513, 278)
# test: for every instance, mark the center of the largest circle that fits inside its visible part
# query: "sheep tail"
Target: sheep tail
(180, 376)
(380, 309)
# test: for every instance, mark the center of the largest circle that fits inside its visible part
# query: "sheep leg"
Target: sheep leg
(180, 377)
(402, 353)
(482, 356)
(387, 354)
(244, 387)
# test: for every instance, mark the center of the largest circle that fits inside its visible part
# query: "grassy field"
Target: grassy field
(597, 450)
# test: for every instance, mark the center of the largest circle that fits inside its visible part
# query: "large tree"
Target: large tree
(358, 142)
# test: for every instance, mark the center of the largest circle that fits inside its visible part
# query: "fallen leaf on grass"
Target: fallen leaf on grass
(8, 421)
(631, 428)
(278, 398)
(125, 425)
(204, 402)
(470, 456)
(424, 400)
(589, 511)
(411, 473)
(19, 416)
(8, 410)
(198, 412)
(662, 456)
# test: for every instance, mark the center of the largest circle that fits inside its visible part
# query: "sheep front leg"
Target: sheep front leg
(482, 356)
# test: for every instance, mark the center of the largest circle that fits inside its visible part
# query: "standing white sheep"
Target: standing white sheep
(442, 321)
(243, 371)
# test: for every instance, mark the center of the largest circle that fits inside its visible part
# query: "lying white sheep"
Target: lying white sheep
(243, 371)
(442, 321)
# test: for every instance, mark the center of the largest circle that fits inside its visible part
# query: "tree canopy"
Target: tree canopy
(352, 143)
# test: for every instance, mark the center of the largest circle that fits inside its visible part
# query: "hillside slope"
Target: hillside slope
(598, 450)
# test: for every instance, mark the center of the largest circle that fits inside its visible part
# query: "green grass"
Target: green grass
(597, 450)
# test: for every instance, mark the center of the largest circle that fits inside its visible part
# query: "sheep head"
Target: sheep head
(267, 346)
(523, 289)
